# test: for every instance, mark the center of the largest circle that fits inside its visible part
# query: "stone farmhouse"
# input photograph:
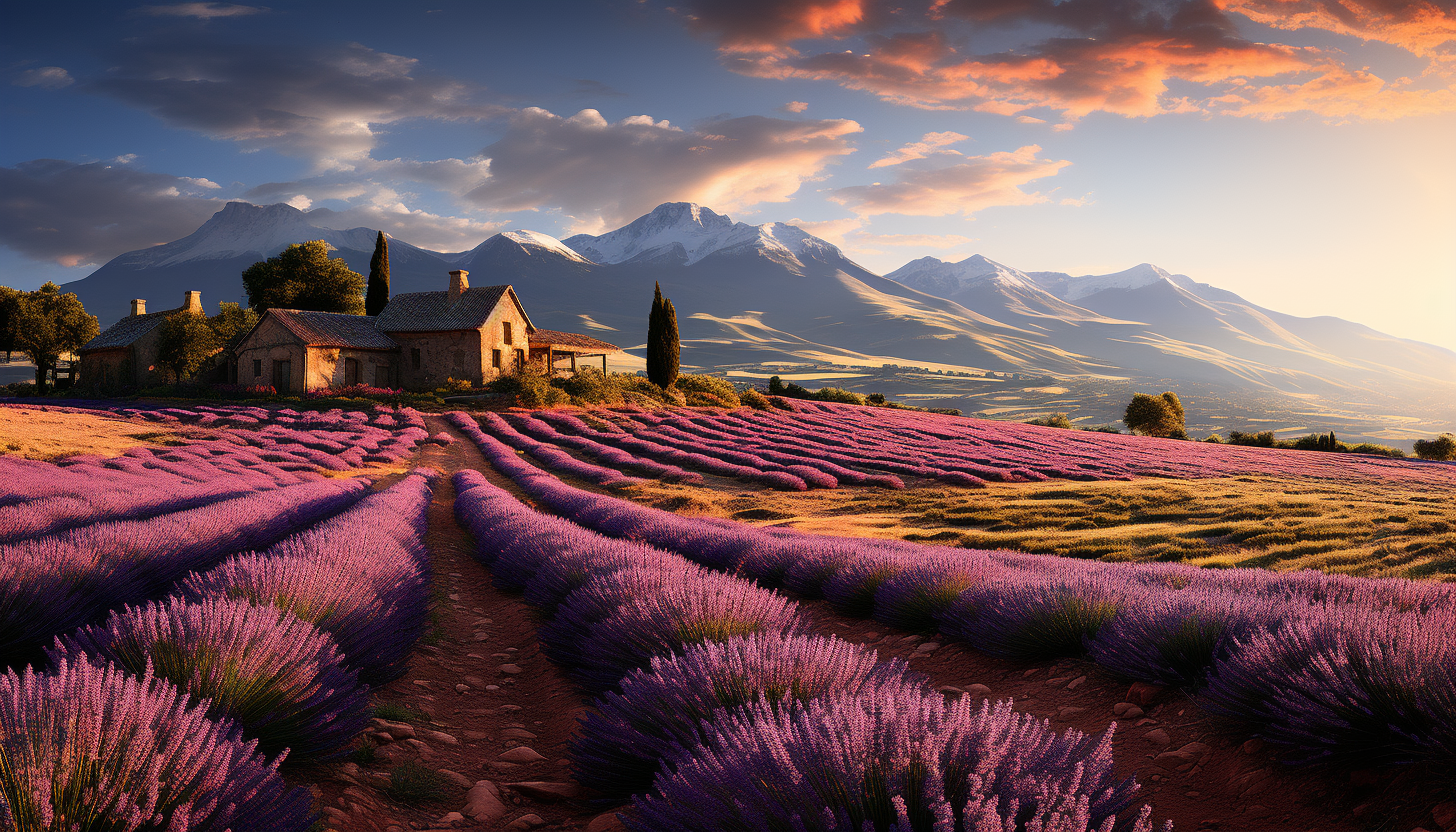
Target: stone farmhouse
(418, 342)
(125, 355)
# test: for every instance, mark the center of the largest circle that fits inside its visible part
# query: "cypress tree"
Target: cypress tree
(377, 295)
(663, 349)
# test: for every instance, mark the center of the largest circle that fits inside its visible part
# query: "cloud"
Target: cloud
(603, 173)
(1133, 58)
(75, 214)
(929, 144)
(205, 11)
(770, 25)
(835, 231)
(387, 212)
(46, 77)
(795, 107)
(322, 103)
(1418, 26)
(936, 188)
(370, 203)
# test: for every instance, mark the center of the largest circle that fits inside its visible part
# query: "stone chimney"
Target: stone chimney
(193, 303)
(459, 282)
(138, 307)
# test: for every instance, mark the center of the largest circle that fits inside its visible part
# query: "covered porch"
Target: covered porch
(566, 352)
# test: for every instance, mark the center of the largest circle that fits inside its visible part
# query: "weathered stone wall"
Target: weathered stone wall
(327, 367)
(106, 370)
(267, 343)
(492, 337)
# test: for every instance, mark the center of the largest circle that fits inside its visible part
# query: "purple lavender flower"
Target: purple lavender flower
(710, 607)
(889, 760)
(92, 748)
(277, 676)
(618, 748)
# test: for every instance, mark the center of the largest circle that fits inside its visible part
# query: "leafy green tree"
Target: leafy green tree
(1155, 416)
(185, 343)
(663, 348)
(48, 323)
(231, 323)
(303, 276)
(9, 307)
(1442, 447)
(377, 296)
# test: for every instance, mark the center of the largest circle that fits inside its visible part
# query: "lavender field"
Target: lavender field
(193, 633)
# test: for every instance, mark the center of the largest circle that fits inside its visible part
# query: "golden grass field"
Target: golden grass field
(49, 435)
(1367, 529)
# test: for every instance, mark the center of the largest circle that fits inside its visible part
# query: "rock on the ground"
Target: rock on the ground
(1445, 816)
(1143, 694)
(520, 754)
(483, 803)
(1158, 737)
(457, 778)
(606, 822)
(527, 822)
(1184, 758)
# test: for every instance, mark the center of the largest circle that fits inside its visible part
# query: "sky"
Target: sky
(1301, 153)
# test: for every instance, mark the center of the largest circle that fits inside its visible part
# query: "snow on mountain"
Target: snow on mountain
(1143, 274)
(937, 277)
(529, 240)
(241, 228)
(692, 232)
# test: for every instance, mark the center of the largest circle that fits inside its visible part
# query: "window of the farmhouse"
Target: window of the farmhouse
(495, 359)
(415, 357)
(507, 332)
(257, 367)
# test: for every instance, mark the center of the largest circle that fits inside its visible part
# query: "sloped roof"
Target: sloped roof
(126, 331)
(432, 312)
(572, 340)
(331, 329)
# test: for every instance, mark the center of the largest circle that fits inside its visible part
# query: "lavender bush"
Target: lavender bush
(711, 607)
(619, 746)
(93, 749)
(275, 675)
(887, 762)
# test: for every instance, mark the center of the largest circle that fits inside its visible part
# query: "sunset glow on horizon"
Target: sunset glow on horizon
(1297, 152)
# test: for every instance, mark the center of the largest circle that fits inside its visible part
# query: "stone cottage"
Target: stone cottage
(418, 342)
(294, 351)
(125, 355)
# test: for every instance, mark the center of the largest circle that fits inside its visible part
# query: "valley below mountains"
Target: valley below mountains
(759, 300)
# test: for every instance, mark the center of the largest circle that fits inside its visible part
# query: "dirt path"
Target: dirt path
(490, 705)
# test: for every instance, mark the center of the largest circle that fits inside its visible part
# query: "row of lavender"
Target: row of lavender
(260, 437)
(716, 711)
(820, 445)
(166, 714)
(1338, 667)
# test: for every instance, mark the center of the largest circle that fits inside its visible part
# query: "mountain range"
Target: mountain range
(774, 294)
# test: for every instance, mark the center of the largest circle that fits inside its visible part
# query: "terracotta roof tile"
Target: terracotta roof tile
(432, 312)
(543, 337)
(331, 329)
(126, 331)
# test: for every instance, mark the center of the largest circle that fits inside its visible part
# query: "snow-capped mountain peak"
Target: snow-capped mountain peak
(693, 232)
(929, 274)
(241, 228)
(1143, 274)
(529, 240)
